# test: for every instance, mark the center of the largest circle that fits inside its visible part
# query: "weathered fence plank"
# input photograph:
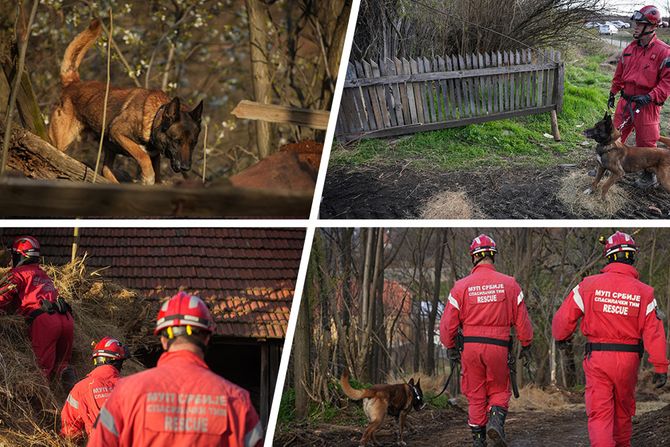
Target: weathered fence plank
(397, 96)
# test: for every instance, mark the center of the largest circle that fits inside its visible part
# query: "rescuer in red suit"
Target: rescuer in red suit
(620, 320)
(28, 291)
(180, 402)
(485, 305)
(642, 77)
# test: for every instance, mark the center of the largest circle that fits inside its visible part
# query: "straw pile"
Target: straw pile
(572, 194)
(450, 205)
(29, 405)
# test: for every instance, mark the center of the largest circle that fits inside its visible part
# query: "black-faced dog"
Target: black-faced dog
(379, 400)
(144, 124)
(617, 158)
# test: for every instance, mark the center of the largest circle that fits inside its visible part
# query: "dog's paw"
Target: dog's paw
(588, 191)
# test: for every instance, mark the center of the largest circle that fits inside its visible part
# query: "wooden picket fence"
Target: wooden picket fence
(400, 96)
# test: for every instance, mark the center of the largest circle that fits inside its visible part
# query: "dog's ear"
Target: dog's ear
(171, 113)
(418, 383)
(411, 381)
(196, 113)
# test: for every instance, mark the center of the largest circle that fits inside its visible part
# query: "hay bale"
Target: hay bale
(571, 193)
(29, 405)
(450, 205)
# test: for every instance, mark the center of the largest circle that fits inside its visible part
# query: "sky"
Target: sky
(627, 6)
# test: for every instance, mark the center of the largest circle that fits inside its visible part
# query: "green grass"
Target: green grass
(508, 142)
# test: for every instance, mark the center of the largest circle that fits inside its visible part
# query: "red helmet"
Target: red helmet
(26, 246)
(647, 14)
(111, 348)
(619, 242)
(184, 310)
(482, 243)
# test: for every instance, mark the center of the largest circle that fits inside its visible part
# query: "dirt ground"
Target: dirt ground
(399, 192)
(448, 428)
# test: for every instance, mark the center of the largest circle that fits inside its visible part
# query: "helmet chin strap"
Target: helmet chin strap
(644, 33)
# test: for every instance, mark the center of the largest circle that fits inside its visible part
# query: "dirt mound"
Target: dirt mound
(450, 205)
(652, 429)
(398, 192)
(29, 405)
(572, 194)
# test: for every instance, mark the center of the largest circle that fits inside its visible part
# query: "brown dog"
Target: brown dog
(144, 124)
(379, 400)
(617, 158)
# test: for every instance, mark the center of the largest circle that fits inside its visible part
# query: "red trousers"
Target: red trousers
(646, 123)
(485, 380)
(610, 397)
(52, 337)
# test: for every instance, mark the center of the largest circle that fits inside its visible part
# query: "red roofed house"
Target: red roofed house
(249, 274)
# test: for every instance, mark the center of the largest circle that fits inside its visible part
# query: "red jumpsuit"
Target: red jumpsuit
(485, 304)
(615, 308)
(640, 71)
(85, 400)
(180, 402)
(51, 335)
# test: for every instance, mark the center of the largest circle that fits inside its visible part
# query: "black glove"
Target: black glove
(659, 379)
(641, 100)
(563, 344)
(454, 355)
(610, 101)
(526, 355)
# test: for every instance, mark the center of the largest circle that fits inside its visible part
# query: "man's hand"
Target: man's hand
(641, 100)
(526, 355)
(454, 355)
(610, 101)
(659, 379)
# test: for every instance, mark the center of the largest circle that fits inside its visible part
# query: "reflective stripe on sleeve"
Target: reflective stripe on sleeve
(107, 421)
(578, 298)
(519, 298)
(651, 306)
(453, 302)
(255, 435)
(72, 401)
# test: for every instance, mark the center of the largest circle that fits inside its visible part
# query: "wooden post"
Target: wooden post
(75, 244)
(257, 13)
(554, 126)
(265, 384)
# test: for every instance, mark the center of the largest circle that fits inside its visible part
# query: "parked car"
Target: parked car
(621, 24)
(592, 24)
(607, 29)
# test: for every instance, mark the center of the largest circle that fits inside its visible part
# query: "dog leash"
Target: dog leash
(446, 385)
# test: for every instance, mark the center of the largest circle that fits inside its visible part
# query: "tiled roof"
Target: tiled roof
(247, 275)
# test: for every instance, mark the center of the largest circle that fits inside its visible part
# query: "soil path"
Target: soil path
(398, 192)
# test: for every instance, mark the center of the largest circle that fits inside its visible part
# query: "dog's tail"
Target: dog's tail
(69, 69)
(353, 393)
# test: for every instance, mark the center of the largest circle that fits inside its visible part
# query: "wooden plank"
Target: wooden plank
(395, 92)
(464, 87)
(483, 92)
(530, 82)
(418, 99)
(500, 80)
(560, 80)
(550, 80)
(517, 82)
(410, 92)
(489, 86)
(457, 73)
(388, 118)
(454, 91)
(444, 90)
(406, 130)
(540, 80)
(251, 110)
(357, 119)
(429, 91)
(365, 98)
(374, 98)
(388, 95)
(472, 90)
(41, 198)
(345, 112)
(424, 91)
(402, 88)
(509, 60)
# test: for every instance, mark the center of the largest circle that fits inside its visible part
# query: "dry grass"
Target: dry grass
(533, 398)
(571, 193)
(450, 205)
(29, 405)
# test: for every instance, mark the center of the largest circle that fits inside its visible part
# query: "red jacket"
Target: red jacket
(85, 400)
(485, 303)
(32, 286)
(180, 402)
(643, 70)
(617, 308)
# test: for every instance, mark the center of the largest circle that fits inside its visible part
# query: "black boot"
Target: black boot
(495, 429)
(68, 379)
(478, 436)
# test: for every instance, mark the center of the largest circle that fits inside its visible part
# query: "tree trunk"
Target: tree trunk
(257, 13)
(432, 316)
(301, 343)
